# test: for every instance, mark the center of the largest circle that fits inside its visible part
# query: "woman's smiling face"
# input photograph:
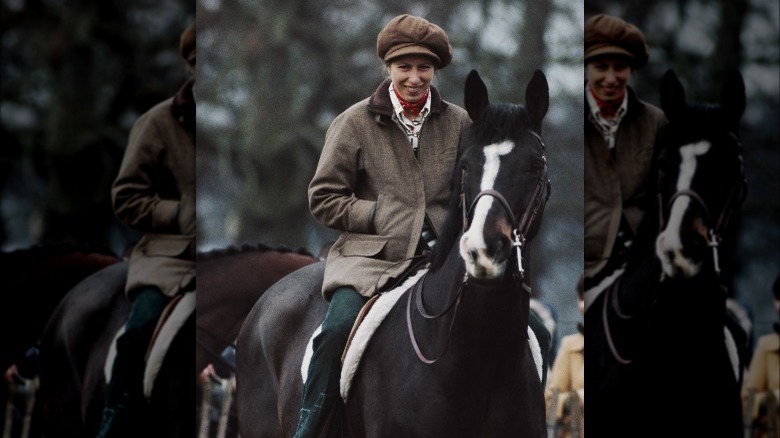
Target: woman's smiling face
(411, 76)
(608, 77)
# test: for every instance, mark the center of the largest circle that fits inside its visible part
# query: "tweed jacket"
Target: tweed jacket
(616, 182)
(154, 192)
(369, 185)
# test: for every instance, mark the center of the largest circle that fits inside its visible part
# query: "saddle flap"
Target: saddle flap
(361, 316)
(363, 331)
(176, 317)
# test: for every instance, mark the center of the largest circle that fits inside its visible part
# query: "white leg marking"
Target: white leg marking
(669, 243)
(536, 351)
(731, 347)
(474, 239)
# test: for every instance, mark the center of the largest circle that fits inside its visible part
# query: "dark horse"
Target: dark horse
(73, 351)
(488, 379)
(662, 355)
(34, 280)
(230, 280)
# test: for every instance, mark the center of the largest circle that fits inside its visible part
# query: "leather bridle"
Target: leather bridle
(734, 200)
(520, 228)
(715, 229)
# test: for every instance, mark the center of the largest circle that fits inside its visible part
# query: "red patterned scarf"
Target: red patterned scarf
(413, 108)
(607, 108)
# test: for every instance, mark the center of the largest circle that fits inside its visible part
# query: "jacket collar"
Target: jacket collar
(183, 105)
(379, 103)
(635, 106)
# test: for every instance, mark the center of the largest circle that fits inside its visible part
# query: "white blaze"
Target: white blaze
(669, 244)
(473, 239)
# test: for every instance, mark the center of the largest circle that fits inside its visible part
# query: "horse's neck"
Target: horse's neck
(493, 308)
(699, 300)
(639, 282)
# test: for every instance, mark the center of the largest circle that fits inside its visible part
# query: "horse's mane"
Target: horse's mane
(451, 228)
(247, 247)
(42, 250)
(498, 123)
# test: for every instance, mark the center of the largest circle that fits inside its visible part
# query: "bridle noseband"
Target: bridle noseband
(520, 228)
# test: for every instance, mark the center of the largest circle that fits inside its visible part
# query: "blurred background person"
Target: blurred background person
(762, 380)
(565, 394)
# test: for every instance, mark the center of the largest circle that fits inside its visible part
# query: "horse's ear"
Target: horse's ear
(537, 100)
(672, 95)
(732, 99)
(476, 96)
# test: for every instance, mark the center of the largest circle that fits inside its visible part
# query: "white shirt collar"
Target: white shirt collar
(607, 127)
(399, 109)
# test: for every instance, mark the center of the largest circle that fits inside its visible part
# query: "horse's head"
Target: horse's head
(701, 179)
(501, 176)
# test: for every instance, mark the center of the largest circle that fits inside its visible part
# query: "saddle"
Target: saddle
(370, 317)
(171, 321)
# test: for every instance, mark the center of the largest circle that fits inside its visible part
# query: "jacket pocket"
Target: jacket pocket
(361, 245)
(166, 245)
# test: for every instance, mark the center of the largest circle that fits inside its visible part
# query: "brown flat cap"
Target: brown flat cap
(187, 44)
(608, 35)
(410, 35)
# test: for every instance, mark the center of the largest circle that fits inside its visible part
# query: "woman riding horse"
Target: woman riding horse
(383, 179)
(471, 308)
(620, 142)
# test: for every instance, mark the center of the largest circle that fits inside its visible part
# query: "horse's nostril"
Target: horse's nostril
(474, 254)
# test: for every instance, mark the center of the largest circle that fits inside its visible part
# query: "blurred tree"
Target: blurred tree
(74, 80)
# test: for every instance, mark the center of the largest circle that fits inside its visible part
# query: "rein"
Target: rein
(418, 287)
